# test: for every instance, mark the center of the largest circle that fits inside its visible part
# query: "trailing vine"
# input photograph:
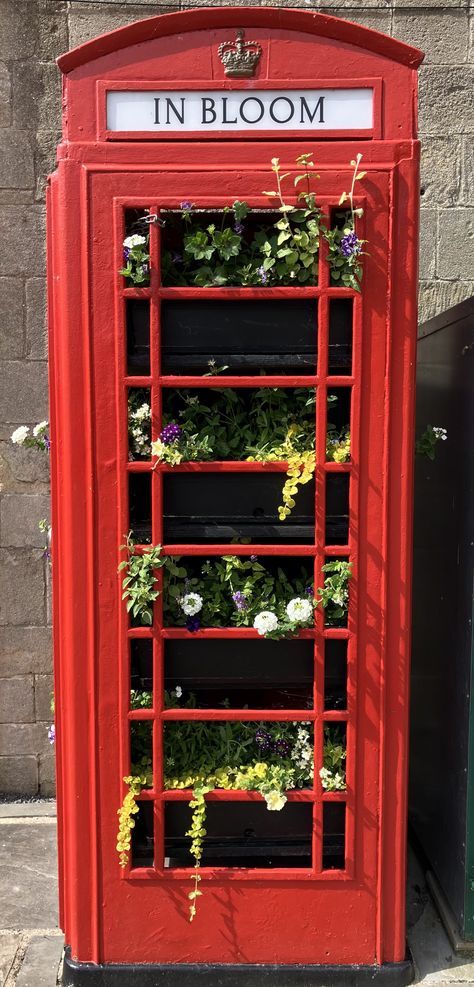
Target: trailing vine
(127, 811)
(139, 583)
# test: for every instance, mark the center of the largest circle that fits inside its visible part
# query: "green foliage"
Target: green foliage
(334, 595)
(139, 423)
(426, 444)
(345, 272)
(282, 252)
(265, 425)
(136, 269)
(333, 772)
(218, 579)
(139, 583)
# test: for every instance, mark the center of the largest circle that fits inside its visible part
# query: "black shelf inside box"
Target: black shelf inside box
(202, 508)
(242, 834)
(255, 674)
(275, 336)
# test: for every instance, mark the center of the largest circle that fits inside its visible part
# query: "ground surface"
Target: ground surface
(31, 943)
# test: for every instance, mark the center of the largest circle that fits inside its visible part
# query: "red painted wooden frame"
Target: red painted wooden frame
(352, 916)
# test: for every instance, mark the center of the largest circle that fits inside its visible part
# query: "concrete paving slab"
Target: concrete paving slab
(26, 810)
(29, 874)
(9, 944)
(41, 962)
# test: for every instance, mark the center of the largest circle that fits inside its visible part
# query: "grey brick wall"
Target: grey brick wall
(32, 34)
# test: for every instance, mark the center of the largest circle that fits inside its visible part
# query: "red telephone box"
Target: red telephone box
(168, 124)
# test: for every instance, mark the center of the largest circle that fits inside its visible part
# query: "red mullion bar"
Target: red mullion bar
(221, 381)
(231, 294)
(231, 549)
(141, 714)
(138, 466)
(224, 466)
(157, 536)
(142, 293)
(250, 715)
(320, 538)
(122, 513)
(352, 668)
(180, 633)
(138, 381)
(140, 631)
(239, 795)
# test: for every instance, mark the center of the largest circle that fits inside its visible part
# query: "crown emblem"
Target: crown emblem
(240, 58)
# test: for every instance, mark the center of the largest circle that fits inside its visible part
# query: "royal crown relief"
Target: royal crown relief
(240, 58)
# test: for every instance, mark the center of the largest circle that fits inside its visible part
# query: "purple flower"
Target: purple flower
(126, 254)
(52, 734)
(176, 258)
(238, 228)
(171, 433)
(193, 624)
(350, 245)
(240, 600)
(282, 747)
(263, 740)
(309, 590)
(262, 274)
(253, 558)
(186, 205)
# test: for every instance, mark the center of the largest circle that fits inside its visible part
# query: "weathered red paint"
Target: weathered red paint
(310, 916)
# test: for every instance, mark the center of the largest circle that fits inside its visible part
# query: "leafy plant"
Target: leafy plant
(282, 252)
(139, 423)
(333, 772)
(139, 583)
(426, 444)
(136, 260)
(334, 595)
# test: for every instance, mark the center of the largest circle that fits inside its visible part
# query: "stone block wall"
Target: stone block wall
(32, 34)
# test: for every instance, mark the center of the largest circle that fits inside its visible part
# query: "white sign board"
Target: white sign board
(252, 110)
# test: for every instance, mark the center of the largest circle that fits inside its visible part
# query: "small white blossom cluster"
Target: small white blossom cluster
(139, 421)
(332, 781)
(298, 611)
(303, 751)
(441, 433)
(265, 622)
(20, 434)
(134, 241)
(178, 692)
(191, 604)
(38, 438)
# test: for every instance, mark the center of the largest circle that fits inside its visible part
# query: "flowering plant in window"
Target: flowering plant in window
(345, 246)
(426, 444)
(279, 251)
(136, 260)
(266, 425)
(271, 758)
(232, 591)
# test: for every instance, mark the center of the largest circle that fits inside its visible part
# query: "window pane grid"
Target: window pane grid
(323, 380)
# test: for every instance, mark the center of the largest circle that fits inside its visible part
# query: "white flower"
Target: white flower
(275, 801)
(39, 429)
(191, 603)
(20, 434)
(141, 413)
(299, 610)
(265, 622)
(440, 433)
(134, 241)
(178, 692)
